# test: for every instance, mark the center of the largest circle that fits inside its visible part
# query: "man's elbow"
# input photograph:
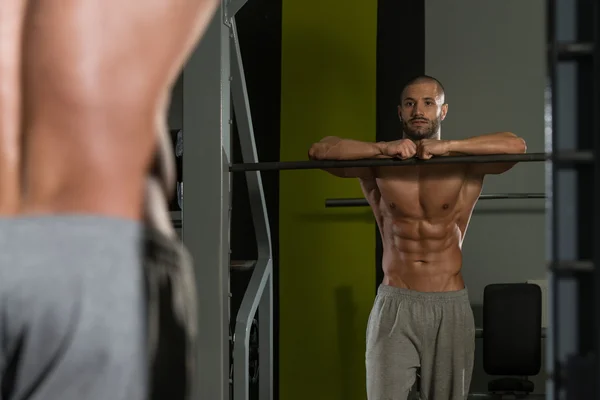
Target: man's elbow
(519, 144)
(523, 145)
(317, 151)
(321, 149)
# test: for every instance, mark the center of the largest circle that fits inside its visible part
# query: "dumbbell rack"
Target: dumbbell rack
(573, 346)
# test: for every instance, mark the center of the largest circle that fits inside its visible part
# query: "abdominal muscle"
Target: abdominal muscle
(422, 255)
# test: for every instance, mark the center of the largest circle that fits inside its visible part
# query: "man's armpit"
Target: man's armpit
(368, 184)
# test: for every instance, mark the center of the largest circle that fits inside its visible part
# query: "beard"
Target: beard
(420, 132)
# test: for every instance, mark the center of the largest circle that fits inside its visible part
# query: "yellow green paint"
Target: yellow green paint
(327, 256)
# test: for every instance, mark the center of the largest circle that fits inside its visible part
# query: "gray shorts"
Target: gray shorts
(76, 306)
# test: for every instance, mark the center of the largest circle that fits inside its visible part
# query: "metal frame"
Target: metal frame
(574, 368)
(260, 287)
(553, 389)
(596, 195)
(215, 71)
(205, 215)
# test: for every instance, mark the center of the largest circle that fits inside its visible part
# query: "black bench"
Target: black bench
(512, 337)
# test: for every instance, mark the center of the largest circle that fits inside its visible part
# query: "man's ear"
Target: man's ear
(399, 113)
(444, 111)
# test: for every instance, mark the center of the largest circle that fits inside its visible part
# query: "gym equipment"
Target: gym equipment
(562, 157)
(479, 333)
(213, 80)
(512, 336)
(360, 202)
(573, 363)
(512, 346)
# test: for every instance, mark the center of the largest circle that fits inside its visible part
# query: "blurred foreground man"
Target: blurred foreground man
(96, 295)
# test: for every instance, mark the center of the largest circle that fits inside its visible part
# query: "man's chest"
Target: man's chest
(421, 191)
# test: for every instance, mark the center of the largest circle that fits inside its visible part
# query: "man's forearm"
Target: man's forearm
(333, 148)
(494, 143)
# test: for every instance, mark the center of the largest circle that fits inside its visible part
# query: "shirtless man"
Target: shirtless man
(421, 316)
(84, 90)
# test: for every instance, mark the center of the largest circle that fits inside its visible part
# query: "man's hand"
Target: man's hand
(428, 148)
(403, 149)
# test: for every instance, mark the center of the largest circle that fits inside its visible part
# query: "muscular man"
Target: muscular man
(83, 238)
(421, 317)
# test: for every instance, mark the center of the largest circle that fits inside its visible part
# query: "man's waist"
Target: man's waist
(459, 293)
(423, 257)
(440, 281)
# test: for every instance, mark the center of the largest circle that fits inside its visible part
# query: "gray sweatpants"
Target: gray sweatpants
(430, 331)
(94, 308)
(72, 309)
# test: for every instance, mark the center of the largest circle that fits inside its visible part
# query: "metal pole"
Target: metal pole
(596, 214)
(479, 333)
(552, 366)
(206, 115)
(260, 288)
(361, 202)
(390, 162)
(563, 157)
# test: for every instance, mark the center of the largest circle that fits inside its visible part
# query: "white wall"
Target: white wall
(490, 56)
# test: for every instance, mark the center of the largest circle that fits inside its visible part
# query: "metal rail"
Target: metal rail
(259, 293)
(564, 157)
(569, 51)
(361, 202)
(571, 374)
(479, 333)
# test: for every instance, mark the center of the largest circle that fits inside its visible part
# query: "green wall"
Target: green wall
(327, 256)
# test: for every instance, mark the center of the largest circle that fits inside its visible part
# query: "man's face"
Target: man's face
(422, 110)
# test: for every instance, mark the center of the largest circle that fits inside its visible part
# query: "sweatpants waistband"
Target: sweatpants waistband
(441, 297)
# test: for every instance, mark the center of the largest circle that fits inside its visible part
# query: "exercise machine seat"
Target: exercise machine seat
(510, 385)
(512, 336)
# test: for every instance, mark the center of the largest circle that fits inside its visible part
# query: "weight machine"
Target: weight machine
(213, 79)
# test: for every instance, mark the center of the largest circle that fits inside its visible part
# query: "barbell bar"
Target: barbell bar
(360, 202)
(562, 157)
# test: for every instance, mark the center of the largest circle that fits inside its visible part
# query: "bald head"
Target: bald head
(426, 79)
(422, 108)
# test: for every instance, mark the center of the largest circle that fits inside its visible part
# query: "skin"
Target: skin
(12, 16)
(96, 77)
(422, 211)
